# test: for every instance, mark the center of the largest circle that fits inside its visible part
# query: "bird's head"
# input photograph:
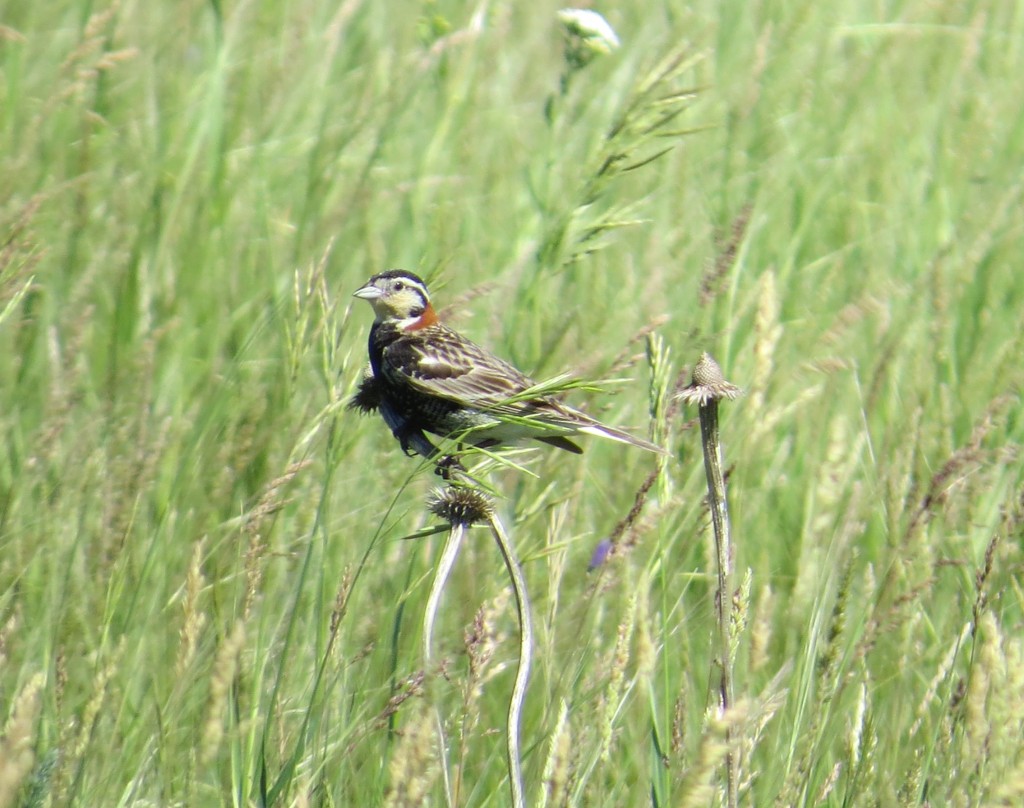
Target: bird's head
(400, 297)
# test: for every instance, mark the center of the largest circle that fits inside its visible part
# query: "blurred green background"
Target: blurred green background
(204, 595)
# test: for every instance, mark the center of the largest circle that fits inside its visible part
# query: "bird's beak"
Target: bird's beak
(368, 292)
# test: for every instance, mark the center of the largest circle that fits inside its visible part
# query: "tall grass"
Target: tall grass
(204, 594)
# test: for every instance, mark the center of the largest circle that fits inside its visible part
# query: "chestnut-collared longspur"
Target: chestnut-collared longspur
(428, 378)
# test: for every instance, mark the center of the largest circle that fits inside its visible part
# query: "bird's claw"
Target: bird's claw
(446, 465)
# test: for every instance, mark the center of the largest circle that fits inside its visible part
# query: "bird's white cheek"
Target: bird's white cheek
(409, 322)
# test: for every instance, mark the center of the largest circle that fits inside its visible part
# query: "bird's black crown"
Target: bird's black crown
(399, 273)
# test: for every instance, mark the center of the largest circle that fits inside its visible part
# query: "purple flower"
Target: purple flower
(600, 555)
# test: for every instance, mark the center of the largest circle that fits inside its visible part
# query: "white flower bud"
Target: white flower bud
(588, 34)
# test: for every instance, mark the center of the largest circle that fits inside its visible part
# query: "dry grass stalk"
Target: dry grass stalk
(728, 248)
(767, 333)
(829, 660)
(981, 579)
(17, 756)
(341, 599)
(194, 617)
(270, 502)
(85, 63)
(1007, 717)
(7, 631)
(625, 358)
(410, 687)
(313, 316)
(557, 768)
(622, 534)
(19, 255)
(558, 556)
(271, 499)
(616, 667)
(1010, 792)
(225, 668)
(859, 741)
(740, 613)
(60, 684)
(77, 734)
(980, 737)
(908, 569)
(829, 784)
(660, 391)
(767, 423)
(771, 699)
(911, 789)
(827, 682)
(645, 650)
(95, 704)
(675, 404)
(459, 305)
(413, 767)
(678, 742)
(826, 544)
(985, 707)
(698, 788)
(761, 630)
(482, 638)
(941, 677)
(956, 468)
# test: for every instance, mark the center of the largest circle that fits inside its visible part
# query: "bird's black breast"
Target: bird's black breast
(402, 357)
(395, 359)
(380, 338)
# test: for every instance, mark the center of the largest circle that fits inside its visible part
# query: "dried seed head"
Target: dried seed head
(460, 506)
(708, 383)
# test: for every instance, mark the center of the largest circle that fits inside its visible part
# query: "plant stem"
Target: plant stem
(515, 708)
(707, 387)
(723, 557)
(445, 563)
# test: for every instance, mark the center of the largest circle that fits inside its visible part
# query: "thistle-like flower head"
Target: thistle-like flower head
(460, 506)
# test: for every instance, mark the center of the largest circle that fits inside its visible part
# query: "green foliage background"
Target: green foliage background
(204, 598)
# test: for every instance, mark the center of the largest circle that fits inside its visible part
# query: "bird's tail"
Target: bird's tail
(610, 432)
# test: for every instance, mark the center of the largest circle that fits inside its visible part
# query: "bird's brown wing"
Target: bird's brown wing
(439, 362)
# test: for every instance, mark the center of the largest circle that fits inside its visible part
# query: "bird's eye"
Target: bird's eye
(399, 286)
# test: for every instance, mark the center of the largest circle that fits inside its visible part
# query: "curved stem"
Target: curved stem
(445, 563)
(515, 708)
(444, 568)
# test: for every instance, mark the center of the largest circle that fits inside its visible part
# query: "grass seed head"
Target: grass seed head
(225, 669)
(557, 768)
(16, 754)
(413, 768)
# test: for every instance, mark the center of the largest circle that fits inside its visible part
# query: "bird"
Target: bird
(426, 377)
